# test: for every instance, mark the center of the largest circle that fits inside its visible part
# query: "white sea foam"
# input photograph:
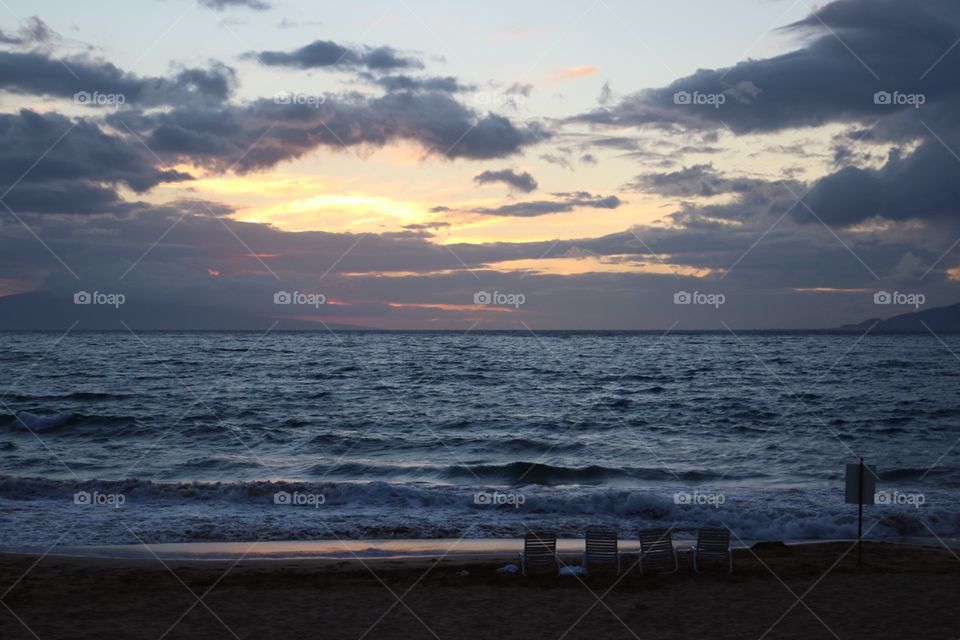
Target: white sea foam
(32, 422)
(236, 511)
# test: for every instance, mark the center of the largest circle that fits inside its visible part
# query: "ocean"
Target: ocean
(117, 437)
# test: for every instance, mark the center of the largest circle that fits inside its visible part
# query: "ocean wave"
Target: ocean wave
(33, 422)
(908, 473)
(75, 395)
(519, 472)
(192, 511)
(574, 445)
(27, 421)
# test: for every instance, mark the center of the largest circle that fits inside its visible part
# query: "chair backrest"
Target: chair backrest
(656, 545)
(540, 548)
(601, 545)
(713, 541)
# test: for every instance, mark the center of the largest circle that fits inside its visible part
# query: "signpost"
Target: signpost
(861, 487)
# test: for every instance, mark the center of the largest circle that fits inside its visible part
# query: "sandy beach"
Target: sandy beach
(900, 592)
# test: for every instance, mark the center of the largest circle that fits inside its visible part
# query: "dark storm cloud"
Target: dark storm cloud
(888, 69)
(700, 180)
(36, 73)
(263, 133)
(105, 247)
(221, 5)
(522, 181)
(83, 152)
(760, 205)
(327, 54)
(879, 45)
(65, 197)
(922, 185)
(81, 168)
(565, 202)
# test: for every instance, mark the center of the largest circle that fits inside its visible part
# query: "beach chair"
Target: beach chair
(601, 549)
(713, 543)
(539, 552)
(657, 552)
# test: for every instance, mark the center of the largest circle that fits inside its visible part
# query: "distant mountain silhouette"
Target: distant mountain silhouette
(45, 312)
(939, 320)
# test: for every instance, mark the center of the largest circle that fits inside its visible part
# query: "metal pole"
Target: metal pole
(860, 520)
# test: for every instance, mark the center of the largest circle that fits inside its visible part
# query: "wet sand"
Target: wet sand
(900, 592)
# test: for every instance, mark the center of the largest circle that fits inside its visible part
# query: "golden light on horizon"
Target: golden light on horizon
(264, 185)
(451, 307)
(584, 264)
(829, 290)
(352, 212)
(560, 266)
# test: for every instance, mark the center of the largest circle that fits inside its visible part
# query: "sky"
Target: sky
(426, 165)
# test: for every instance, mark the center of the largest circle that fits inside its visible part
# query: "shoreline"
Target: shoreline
(411, 549)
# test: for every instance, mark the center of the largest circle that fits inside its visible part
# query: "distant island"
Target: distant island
(938, 319)
(42, 311)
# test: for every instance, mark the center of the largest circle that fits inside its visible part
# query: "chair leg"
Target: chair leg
(695, 568)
